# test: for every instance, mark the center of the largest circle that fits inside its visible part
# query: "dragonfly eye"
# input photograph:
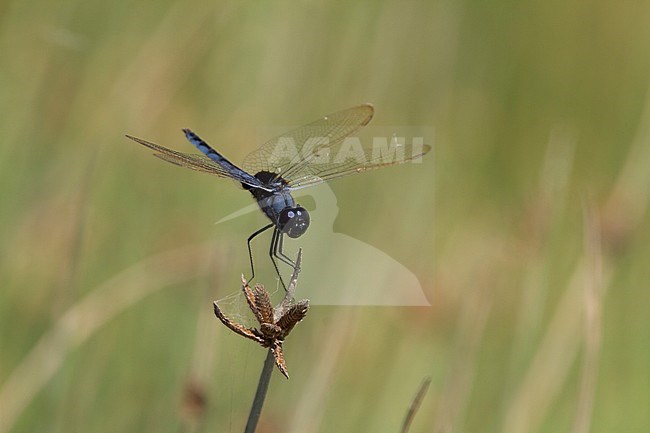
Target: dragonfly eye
(294, 221)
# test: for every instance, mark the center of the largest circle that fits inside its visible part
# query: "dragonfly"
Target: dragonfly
(306, 156)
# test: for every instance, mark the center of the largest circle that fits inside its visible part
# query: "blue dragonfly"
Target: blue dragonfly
(306, 156)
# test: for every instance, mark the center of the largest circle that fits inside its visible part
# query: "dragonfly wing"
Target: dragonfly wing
(353, 158)
(198, 163)
(290, 154)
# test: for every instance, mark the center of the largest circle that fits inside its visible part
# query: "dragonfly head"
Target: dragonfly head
(294, 221)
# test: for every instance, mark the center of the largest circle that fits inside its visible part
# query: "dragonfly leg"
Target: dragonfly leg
(280, 254)
(277, 234)
(250, 252)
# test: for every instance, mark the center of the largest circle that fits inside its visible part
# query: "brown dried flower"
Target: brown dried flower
(275, 323)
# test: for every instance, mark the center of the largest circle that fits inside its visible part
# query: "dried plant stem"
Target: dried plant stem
(415, 404)
(267, 369)
(260, 394)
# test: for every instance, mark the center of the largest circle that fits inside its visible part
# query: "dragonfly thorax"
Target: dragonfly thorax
(279, 206)
(271, 179)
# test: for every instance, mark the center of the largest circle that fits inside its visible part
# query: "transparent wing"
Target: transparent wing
(290, 155)
(198, 163)
(353, 158)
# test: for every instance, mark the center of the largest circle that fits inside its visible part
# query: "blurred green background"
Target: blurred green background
(526, 226)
